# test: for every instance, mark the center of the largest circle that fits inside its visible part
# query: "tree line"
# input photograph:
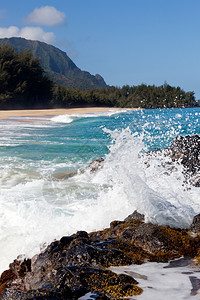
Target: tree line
(143, 96)
(23, 84)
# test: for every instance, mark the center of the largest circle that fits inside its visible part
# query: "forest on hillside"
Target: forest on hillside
(24, 84)
(56, 64)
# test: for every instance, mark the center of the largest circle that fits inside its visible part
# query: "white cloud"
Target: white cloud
(31, 33)
(46, 15)
(37, 33)
(9, 32)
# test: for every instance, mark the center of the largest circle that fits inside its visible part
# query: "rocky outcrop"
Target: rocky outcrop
(186, 150)
(96, 165)
(77, 264)
(72, 282)
(195, 226)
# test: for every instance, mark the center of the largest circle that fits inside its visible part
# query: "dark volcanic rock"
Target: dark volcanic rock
(96, 164)
(195, 226)
(75, 265)
(141, 240)
(73, 282)
(68, 269)
(135, 215)
(186, 150)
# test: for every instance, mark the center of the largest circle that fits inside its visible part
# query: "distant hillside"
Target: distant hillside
(57, 64)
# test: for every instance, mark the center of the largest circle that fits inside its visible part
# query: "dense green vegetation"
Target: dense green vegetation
(56, 64)
(144, 96)
(23, 84)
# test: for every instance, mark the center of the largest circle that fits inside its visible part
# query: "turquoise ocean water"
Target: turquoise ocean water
(41, 201)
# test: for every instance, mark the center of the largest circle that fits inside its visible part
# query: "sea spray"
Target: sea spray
(159, 195)
(39, 202)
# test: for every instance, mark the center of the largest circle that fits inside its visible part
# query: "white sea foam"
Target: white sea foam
(35, 208)
(102, 113)
(159, 281)
(153, 191)
(63, 119)
(70, 118)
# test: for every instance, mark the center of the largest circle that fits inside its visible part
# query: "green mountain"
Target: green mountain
(57, 64)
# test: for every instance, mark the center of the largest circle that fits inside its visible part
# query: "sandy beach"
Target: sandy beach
(4, 114)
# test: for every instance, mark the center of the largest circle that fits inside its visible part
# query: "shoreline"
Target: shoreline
(5, 114)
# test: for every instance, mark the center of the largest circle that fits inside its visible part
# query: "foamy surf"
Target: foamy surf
(163, 280)
(108, 113)
(71, 117)
(39, 202)
(63, 119)
(159, 195)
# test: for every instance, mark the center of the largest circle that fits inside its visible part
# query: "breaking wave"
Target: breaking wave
(49, 194)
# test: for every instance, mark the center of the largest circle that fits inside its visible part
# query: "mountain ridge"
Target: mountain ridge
(57, 64)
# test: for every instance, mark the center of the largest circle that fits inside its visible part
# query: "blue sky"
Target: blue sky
(125, 41)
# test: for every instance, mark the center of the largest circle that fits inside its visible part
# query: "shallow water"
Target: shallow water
(41, 201)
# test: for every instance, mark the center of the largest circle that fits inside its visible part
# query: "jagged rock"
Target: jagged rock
(13, 294)
(113, 224)
(149, 241)
(72, 282)
(20, 268)
(195, 226)
(135, 215)
(96, 165)
(76, 264)
(183, 149)
(70, 263)
(7, 276)
(186, 150)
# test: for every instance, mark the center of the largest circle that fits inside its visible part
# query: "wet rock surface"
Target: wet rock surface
(195, 226)
(96, 165)
(183, 151)
(186, 149)
(77, 264)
